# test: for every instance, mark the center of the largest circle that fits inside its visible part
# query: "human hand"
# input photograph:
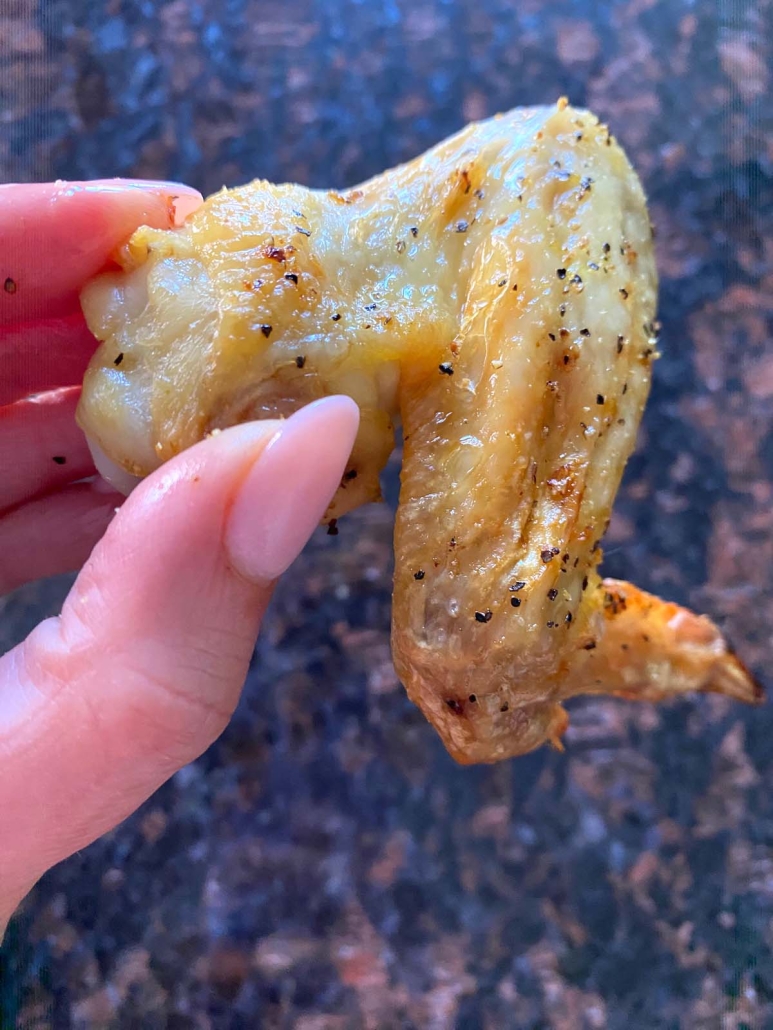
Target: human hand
(143, 668)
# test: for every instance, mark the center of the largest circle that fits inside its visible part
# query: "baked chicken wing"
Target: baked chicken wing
(498, 296)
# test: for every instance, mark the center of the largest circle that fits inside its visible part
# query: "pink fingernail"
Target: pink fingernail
(185, 199)
(289, 487)
(154, 185)
(184, 205)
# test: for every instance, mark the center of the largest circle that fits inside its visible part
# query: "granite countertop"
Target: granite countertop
(326, 866)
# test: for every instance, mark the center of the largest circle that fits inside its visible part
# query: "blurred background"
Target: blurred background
(325, 866)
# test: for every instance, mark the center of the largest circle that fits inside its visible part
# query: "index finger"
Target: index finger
(56, 236)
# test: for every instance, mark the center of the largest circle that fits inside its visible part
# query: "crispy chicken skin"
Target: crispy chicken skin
(497, 294)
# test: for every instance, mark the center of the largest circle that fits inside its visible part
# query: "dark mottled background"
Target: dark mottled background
(325, 866)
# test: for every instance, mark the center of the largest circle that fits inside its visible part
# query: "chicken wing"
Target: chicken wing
(498, 295)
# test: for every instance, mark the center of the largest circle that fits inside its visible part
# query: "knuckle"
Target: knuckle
(178, 711)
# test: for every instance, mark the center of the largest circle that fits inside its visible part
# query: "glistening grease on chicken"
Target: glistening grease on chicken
(498, 295)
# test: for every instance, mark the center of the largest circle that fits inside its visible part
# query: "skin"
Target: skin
(143, 668)
(498, 296)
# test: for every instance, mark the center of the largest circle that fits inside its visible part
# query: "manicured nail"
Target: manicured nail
(185, 199)
(154, 185)
(287, 490)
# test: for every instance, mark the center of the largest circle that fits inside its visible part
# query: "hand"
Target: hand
(143, 668)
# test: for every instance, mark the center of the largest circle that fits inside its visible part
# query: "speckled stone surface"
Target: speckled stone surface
(325, 866)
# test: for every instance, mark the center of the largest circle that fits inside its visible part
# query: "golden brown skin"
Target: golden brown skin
(498, 294)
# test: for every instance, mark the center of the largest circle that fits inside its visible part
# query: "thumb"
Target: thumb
(143, 668)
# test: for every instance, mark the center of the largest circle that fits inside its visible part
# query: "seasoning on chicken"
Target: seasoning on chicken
(498, 295)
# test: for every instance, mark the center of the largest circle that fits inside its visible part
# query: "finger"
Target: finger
(55, 236)
(41, 447)
(143, 668)
(53, 534)
(37, 356)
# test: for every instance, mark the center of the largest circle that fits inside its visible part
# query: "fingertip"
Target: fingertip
(336, 417)
(40, 221)
(184, 205)
(181, 200)
(175, 201)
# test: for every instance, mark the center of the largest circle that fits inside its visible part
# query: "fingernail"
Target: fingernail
(287, 490)
(184, 205)
(185, 199)
(154, 185)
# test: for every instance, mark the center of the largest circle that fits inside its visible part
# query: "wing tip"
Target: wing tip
(734, 679)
